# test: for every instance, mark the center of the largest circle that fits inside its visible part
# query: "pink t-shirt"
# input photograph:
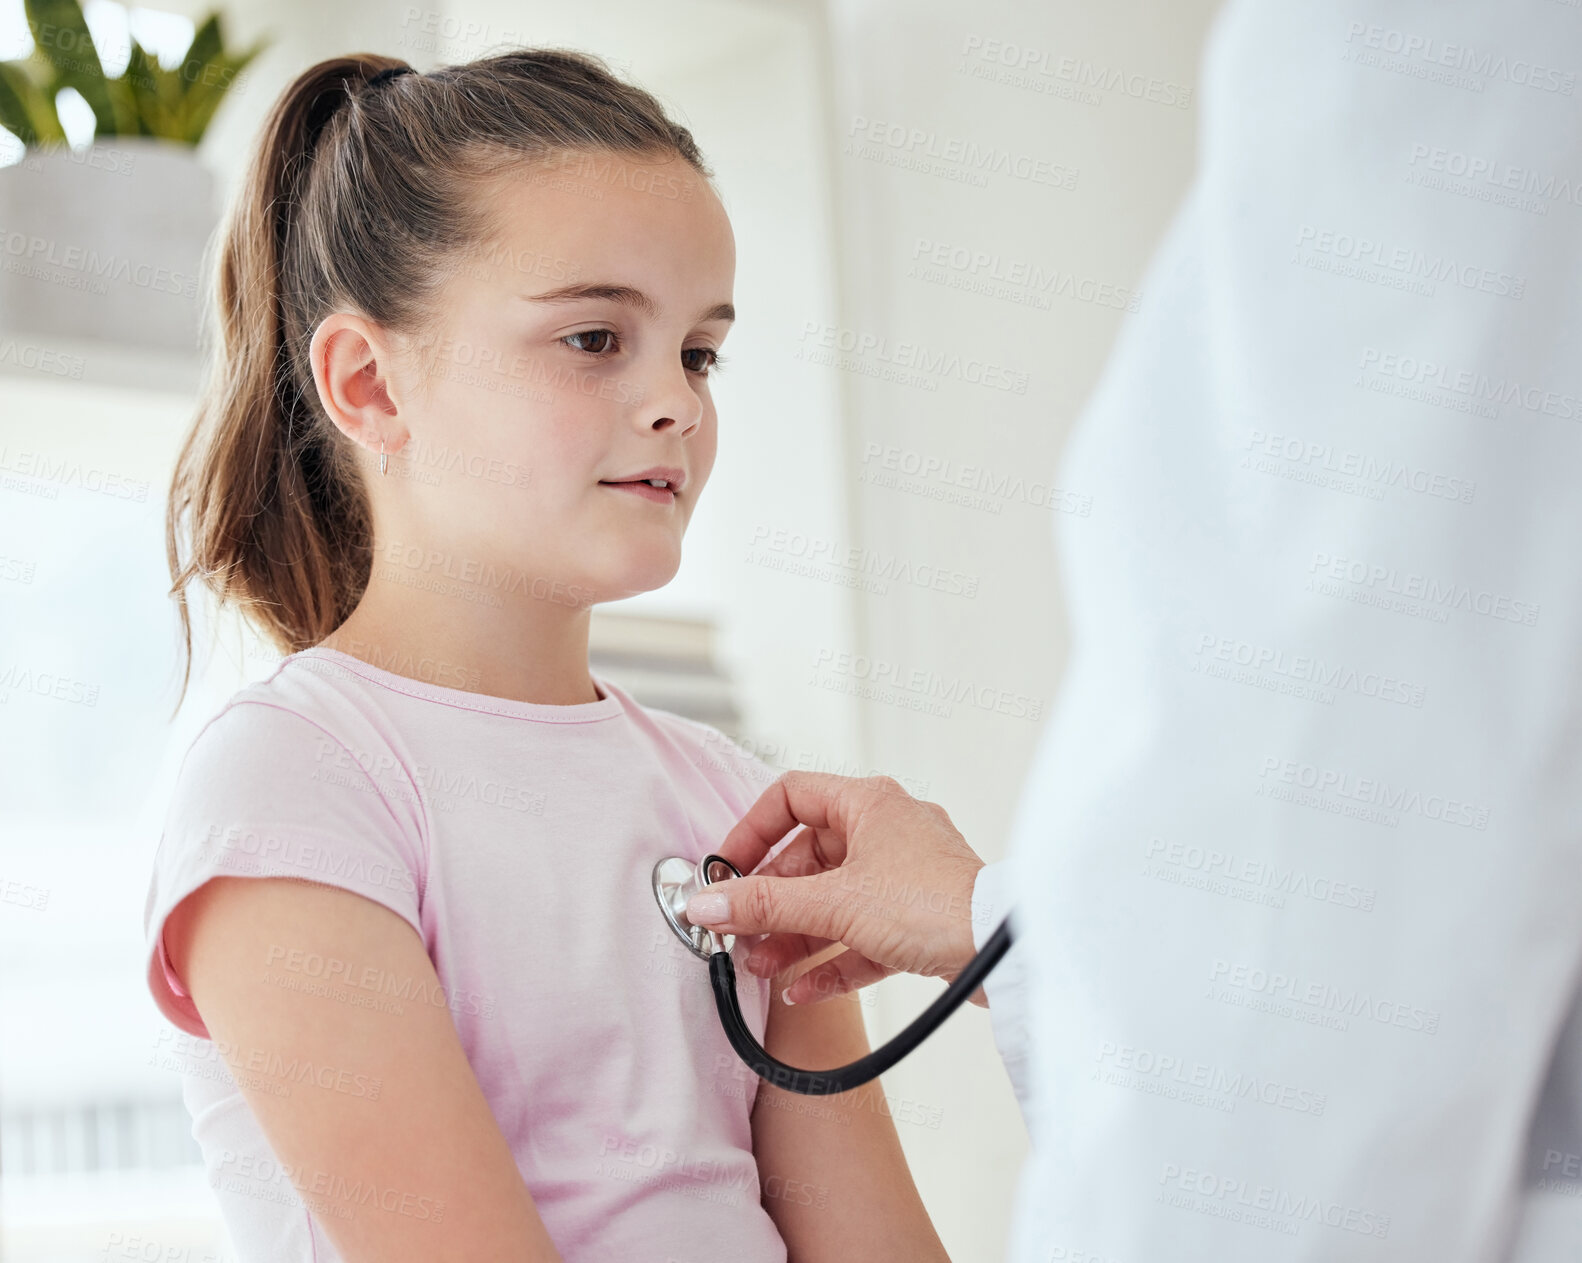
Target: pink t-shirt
(518, 839)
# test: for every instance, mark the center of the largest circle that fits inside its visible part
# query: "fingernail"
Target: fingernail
(708, 908)
(785, 996)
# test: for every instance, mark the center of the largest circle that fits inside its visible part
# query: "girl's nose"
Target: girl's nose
(669, 402)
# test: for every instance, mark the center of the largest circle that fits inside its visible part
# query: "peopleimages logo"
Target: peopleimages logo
(1409, 262)
(1350, 463)
(1149, 1064)
(1373, 792)
(1435, 593)
(972, 159)
(339, 1192)
(926, 683)
(1262, 874)
(1230, 1192)
(1486, 65)
(820, 342)
(990, 486)
(1343, 1001)
(1031, 64)
(1330, 677)
(885, 567)
(1478, 169)
(93, 271)
(252, 851)
(1014, 273)
(1480, 387)
(67, 471)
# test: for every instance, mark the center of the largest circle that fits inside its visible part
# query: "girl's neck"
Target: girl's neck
(511, 645)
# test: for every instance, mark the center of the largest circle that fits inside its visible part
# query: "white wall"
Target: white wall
(905, 64)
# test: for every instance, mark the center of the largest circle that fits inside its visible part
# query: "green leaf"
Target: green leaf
(206, 47)
(25, 110)
(140, 86)
(61, 39)
(124, 105)
(208, 89)
(13, 113)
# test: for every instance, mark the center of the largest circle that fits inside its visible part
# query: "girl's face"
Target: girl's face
(573, 363)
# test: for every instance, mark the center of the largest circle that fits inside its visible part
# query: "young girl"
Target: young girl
(401, 909)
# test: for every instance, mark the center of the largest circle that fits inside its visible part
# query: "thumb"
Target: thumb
(768, 905)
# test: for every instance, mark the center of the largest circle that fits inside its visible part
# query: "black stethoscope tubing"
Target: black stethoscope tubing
(722, 976)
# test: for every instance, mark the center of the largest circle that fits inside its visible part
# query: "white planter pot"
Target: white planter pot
(106, 243)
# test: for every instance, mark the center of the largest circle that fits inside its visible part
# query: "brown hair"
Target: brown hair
(358, 196)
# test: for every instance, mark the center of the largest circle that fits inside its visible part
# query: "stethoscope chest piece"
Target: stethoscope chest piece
(676, 880)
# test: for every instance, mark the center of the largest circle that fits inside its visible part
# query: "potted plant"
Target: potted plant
(106, 242)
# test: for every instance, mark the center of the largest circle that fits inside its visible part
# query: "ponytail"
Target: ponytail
(357, 196)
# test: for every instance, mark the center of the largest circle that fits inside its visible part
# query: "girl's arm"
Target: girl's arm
(833, 1176)
(354, 1099)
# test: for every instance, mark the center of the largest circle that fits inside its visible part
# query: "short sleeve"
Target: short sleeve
(267, 792)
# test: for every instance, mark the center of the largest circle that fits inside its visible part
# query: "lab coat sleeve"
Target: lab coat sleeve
(1549, 1205)
(1006, 986)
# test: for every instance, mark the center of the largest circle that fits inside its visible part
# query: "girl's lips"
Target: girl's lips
(660, 495)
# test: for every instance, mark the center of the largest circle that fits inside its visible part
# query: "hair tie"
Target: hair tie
(330, 100)
(389, 74)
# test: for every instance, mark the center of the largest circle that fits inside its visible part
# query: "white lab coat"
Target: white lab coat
(1298, 867)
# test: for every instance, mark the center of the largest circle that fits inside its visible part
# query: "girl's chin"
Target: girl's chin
(645, 574)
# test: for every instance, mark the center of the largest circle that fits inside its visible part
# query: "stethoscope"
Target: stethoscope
(677, 879)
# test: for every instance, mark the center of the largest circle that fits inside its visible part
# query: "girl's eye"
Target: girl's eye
(712, 361)
(590, 333)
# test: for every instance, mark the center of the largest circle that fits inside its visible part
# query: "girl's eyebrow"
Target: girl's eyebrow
(624, 294)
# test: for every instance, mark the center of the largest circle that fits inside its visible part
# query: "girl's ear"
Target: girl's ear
(351, 359)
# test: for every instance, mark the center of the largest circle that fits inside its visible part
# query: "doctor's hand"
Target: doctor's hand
(873, 868)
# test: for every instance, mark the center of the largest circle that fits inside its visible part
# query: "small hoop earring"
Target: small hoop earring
(384, 461)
